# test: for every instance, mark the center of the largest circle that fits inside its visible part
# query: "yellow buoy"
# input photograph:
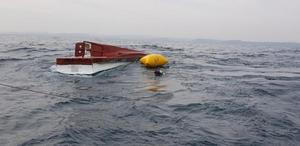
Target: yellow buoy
(154, 60)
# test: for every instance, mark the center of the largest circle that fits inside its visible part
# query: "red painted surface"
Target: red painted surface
(99, 53)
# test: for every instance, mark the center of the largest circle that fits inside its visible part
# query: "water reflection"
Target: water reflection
(153, 83)
(155, 86)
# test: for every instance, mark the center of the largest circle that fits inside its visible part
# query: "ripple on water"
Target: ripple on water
(213, 93)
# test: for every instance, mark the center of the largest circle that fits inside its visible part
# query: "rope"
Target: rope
(34, 91)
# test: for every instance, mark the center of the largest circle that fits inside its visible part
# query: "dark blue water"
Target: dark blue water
(213, 93)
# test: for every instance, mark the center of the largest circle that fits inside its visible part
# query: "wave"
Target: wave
(11, 59)
(18, 49)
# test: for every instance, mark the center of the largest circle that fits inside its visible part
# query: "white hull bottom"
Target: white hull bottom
(87, 69)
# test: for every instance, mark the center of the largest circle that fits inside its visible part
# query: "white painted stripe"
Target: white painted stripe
(86, 69)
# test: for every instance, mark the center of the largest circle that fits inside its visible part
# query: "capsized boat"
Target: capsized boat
(91, 58)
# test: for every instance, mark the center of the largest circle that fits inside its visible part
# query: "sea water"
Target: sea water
(212, 93)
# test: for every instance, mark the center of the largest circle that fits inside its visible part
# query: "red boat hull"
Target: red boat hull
(99, 53)
(91, 60)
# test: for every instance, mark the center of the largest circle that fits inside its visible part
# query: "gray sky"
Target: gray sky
(253, 20)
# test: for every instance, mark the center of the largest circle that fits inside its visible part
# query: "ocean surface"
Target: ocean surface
(213, 93)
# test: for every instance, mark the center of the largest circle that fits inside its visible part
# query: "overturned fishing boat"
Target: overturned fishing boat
(91, 58)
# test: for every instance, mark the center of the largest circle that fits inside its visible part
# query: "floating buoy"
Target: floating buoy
(154, 60)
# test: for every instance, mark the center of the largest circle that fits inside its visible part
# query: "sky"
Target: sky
(249, 20)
